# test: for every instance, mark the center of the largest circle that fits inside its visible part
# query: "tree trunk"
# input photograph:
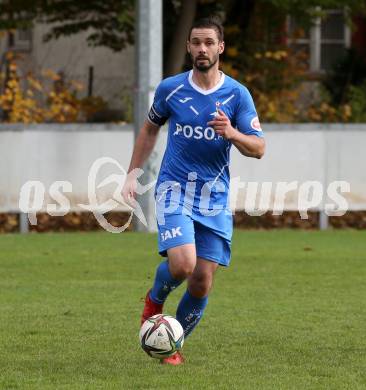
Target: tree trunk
(177, 49)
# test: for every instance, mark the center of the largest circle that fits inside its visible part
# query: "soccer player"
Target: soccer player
(208, 112)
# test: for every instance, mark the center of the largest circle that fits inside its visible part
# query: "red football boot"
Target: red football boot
(174, 360)
(151, 308)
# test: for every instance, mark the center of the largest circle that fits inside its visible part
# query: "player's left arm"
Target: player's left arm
(248, 145)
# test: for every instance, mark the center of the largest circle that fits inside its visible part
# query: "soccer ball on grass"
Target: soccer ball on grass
(161, 336)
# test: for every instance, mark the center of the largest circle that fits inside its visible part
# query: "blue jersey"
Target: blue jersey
(196, 158)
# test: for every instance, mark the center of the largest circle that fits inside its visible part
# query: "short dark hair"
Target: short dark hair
(211, 22)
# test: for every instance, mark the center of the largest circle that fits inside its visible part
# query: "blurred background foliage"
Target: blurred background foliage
(47, 99)
(257, 54)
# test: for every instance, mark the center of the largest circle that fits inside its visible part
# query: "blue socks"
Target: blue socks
(190, 310)
(164, 283)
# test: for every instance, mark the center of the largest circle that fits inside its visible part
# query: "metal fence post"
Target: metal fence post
(148, 75)
(323, 220)
(23, 223)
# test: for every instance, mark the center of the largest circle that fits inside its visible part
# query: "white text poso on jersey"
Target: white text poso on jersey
(197, 132)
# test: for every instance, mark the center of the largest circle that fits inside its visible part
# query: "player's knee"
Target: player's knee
(182, 268)
(183, 272)
(182, 261)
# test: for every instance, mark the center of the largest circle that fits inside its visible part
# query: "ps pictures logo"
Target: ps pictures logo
(33, 195)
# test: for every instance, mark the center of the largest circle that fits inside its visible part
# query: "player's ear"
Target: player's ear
(188, 48)
(221, 47)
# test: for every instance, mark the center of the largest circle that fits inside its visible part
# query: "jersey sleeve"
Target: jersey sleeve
(159, 111)
(247, 120)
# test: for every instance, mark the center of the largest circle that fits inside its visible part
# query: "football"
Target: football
(161, 336)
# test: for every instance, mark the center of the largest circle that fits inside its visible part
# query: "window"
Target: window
(324, 42)
(22, 40)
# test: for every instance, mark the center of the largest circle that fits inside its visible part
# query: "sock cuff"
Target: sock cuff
(163, 284)
(167, 270)
(196, 300)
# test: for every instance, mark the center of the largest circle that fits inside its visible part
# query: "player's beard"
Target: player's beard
(204, 67)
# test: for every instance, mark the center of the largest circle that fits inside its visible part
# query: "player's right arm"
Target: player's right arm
(145, 142)
(144, 145)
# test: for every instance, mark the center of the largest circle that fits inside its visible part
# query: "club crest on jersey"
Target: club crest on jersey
(216, 112)
(218, 104)
(255, 125)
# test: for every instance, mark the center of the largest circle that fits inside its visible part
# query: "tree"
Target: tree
(177, 45)
(108, 23)
(256, 52)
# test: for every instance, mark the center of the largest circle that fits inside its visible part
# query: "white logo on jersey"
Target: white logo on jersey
(168, 234)
(197, 132)
(185, 100)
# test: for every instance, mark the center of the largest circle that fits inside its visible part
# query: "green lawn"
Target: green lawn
(289, 313)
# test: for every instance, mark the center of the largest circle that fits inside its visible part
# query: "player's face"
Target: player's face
(204, 48)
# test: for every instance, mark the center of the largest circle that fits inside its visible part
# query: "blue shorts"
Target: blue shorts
(180, 229)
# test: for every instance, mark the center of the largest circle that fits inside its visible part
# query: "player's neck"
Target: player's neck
(207, 80)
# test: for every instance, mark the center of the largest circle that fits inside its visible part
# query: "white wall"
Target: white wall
(66, 152)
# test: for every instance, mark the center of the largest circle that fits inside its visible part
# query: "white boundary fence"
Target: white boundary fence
(295, 152)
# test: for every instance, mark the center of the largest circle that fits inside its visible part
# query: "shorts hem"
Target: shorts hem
(211, 258)
(163, 252)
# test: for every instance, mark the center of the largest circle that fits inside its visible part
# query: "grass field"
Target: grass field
(289, 313)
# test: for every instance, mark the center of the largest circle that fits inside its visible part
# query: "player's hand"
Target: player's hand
(129, 190)
(222, 125)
